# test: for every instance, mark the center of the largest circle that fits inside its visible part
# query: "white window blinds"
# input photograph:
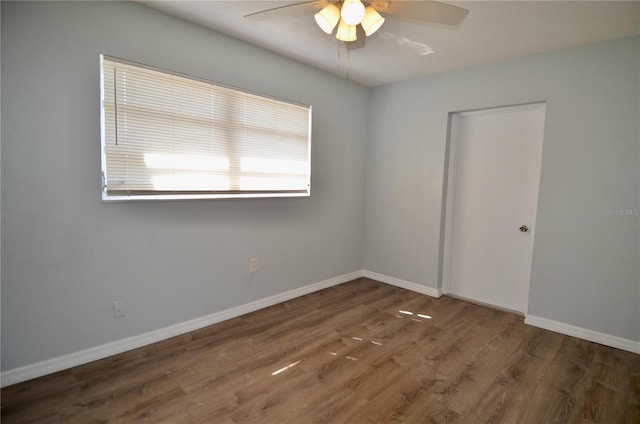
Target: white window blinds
(167, 136)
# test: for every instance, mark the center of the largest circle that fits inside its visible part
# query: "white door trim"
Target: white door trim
(452, 166)
(455, 119)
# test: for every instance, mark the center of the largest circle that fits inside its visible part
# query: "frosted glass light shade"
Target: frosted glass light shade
(346, 32)
(352, 11)
(328, 17)
(372, 21)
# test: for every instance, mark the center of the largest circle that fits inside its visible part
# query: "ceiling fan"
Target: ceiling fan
(357, 19)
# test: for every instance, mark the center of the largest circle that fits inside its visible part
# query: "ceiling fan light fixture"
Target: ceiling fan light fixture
(352, 12)
(372, 21)
(346, 32)
(328, 18)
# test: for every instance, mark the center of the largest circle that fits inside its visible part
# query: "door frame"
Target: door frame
(451, 172)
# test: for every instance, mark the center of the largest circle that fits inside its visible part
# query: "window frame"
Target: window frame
(192, 195)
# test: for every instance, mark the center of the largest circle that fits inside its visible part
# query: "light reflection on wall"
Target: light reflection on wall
(421, 48)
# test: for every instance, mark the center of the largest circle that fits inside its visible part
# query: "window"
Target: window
(169, 136)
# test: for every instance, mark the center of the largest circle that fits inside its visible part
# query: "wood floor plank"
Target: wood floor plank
(355, 353)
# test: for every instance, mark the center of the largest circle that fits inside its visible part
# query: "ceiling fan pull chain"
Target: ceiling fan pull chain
(348, 62)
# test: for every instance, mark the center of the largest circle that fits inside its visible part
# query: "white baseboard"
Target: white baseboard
(547, 324)
(63, 362)
(429, 291)
(583, 333)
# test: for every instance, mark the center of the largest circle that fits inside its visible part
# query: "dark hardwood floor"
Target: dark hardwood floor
(348, 354)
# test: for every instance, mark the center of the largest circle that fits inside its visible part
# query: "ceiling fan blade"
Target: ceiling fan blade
(424, 11)
(288, 10)
(360, 41)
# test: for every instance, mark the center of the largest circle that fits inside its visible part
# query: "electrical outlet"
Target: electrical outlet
(119, 309)
(253, 265)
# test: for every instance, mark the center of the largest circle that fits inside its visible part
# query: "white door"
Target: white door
(494, 175)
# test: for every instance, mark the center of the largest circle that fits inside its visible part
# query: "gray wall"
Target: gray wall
(67, 257)
(585, 264)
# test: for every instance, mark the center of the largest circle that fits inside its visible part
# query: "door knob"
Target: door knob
(524, 228)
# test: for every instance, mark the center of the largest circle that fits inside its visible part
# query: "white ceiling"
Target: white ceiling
(400, 50)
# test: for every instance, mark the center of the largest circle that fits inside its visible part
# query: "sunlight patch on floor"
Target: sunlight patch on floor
(411, 314)
(286, 368)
